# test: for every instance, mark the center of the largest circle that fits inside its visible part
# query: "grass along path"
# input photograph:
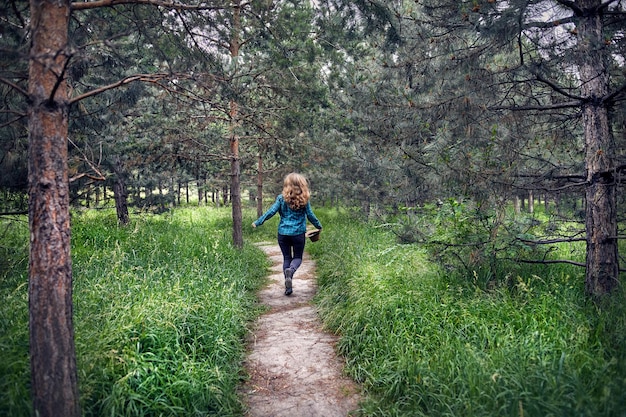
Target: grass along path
(293, 367)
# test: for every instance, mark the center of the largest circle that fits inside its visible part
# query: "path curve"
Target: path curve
(293, 367)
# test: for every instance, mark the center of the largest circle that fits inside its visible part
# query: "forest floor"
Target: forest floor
(293, 366)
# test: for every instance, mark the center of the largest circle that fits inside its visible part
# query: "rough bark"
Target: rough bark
(600, 197)
(52, 353)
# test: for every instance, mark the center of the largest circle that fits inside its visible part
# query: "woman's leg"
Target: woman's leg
(285, 247)
(297, 243)
(292, 248)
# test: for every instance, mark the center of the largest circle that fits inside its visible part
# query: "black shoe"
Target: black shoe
(288, 278)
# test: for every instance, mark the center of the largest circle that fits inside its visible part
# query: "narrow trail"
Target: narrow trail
(293, 367)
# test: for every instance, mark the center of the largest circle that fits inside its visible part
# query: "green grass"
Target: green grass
(426, 343)
(162, 307)
(14, 366)
(161, 310)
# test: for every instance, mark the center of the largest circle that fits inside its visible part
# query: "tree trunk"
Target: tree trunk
(235, 188)
(54, 380)
(205, 193)
(600, 196)
(120, 194)
(179, 187)
(234, 182)
(235, 192)
(200, 188)
(259, 187)
(97, 195)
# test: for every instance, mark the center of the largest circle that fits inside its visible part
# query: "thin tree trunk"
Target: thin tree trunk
(205, 193)
(259, 187)
(179, 187)
(120, 194)
(200, 187)
(54, 380)
(235, 187)
(600, 197)
(97, 193)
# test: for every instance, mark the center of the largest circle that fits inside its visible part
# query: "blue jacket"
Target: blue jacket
(292, 222)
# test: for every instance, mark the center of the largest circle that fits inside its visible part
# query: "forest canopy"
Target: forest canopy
(386, 106)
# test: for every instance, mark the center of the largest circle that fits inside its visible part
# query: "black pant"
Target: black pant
(292, 248)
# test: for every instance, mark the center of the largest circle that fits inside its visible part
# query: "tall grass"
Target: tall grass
(161, 308)
(428, 343)
(14, 365)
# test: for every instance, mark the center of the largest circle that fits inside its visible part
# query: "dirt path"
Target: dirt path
(294, 370)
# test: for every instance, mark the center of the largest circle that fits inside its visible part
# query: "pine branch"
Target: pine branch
(549, 24)
(14, 86)
(138, 77)
(167, 4)
(556, 88)
(10, 122)
(100, 176)
(572, 5)
(552, 241)
(556, 106)
(604, 6)
(551, 261)
(615, 94)
(84, 174)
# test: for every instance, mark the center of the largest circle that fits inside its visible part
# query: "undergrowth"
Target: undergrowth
(161, 309)
(425, 341)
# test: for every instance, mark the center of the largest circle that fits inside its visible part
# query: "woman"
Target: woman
(294, 209)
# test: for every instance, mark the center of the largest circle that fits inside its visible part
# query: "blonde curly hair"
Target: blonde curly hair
(296, 191)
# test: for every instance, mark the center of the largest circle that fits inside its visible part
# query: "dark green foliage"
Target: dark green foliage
(490, 245)
(13, 69)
